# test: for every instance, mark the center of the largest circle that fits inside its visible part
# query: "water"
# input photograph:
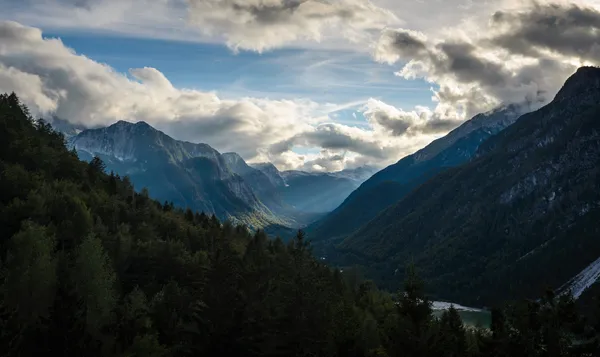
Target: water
(471, 316)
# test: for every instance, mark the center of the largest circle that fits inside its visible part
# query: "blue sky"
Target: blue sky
(296, 83)
(339, 77)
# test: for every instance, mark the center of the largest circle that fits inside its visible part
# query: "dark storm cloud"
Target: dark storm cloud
(570, 30)
(404, 44)
(396, 125)
(460, 58)
(407, 42)
(268, 14)
(454, 57)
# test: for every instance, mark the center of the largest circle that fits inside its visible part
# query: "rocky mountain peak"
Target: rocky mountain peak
(585, 81)
(272, 172)
(492, 121)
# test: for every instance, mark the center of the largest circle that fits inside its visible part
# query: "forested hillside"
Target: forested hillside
(89, 267)
(389, 185)
(521, 217)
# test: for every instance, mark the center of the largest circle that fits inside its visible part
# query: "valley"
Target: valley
(198, 177)
(481, 221)
(300, 178)
(474, 200)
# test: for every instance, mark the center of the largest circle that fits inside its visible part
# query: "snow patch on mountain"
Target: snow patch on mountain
(580, 282)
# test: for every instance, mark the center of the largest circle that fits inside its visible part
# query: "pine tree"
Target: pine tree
(452, 341)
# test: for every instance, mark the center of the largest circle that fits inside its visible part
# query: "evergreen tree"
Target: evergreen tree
(90, 267)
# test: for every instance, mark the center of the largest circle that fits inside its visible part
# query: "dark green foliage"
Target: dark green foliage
(89, 267)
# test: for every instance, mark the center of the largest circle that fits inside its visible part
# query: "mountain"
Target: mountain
(66, 128)
(272, 173)
(359, 174)
(315, 192)
(267, 188)
(259, 182)
(188, 174)
(392, 183)
(520, 217)
(89, 265)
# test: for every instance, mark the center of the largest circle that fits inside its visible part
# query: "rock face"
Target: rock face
(199, 177)
(272, 173)
(520, 217)
(190, 175)
(392, 183)
(141, 144)
(265, 188)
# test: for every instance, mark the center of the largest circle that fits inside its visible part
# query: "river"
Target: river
(471, 316)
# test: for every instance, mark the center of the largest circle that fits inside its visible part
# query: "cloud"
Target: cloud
(397, 44)
(400, 123)
(54, 80)
(264, 24)
(256, 25)
(334, 137)
(326, 162)
(565, 29)
(522, 57)
(518, 56)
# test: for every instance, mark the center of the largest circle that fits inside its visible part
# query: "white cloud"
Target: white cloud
(476, 55)
(255, 25)
(264, 24)
(520, 56)
(139, 18)
(53, 79)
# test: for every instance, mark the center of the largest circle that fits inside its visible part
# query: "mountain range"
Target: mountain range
(199, 177)
(485, 213)
(521, 216)
(392, 183)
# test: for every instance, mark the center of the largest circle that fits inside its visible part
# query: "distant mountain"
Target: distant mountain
(257, 180)
(520, 217)
(392, 183)
(268, 189)
(66, 128)
(190, 175)
(315, 192)
(272, 173)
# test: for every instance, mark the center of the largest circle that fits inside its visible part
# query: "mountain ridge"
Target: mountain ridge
(144, 153)
(191, 175)
(528, 198)
(393, 182)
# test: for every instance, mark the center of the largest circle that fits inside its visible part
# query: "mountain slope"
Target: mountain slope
(520, 217)
(272, 173)
(189, 175)
(315, 192)
(267, 188)
(392, 183)
(259, 182)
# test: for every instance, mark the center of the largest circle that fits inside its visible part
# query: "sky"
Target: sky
(317, 85)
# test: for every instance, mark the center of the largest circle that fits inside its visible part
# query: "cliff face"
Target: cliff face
(190, 175)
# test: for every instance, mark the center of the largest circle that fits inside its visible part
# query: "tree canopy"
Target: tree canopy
(90, 267)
